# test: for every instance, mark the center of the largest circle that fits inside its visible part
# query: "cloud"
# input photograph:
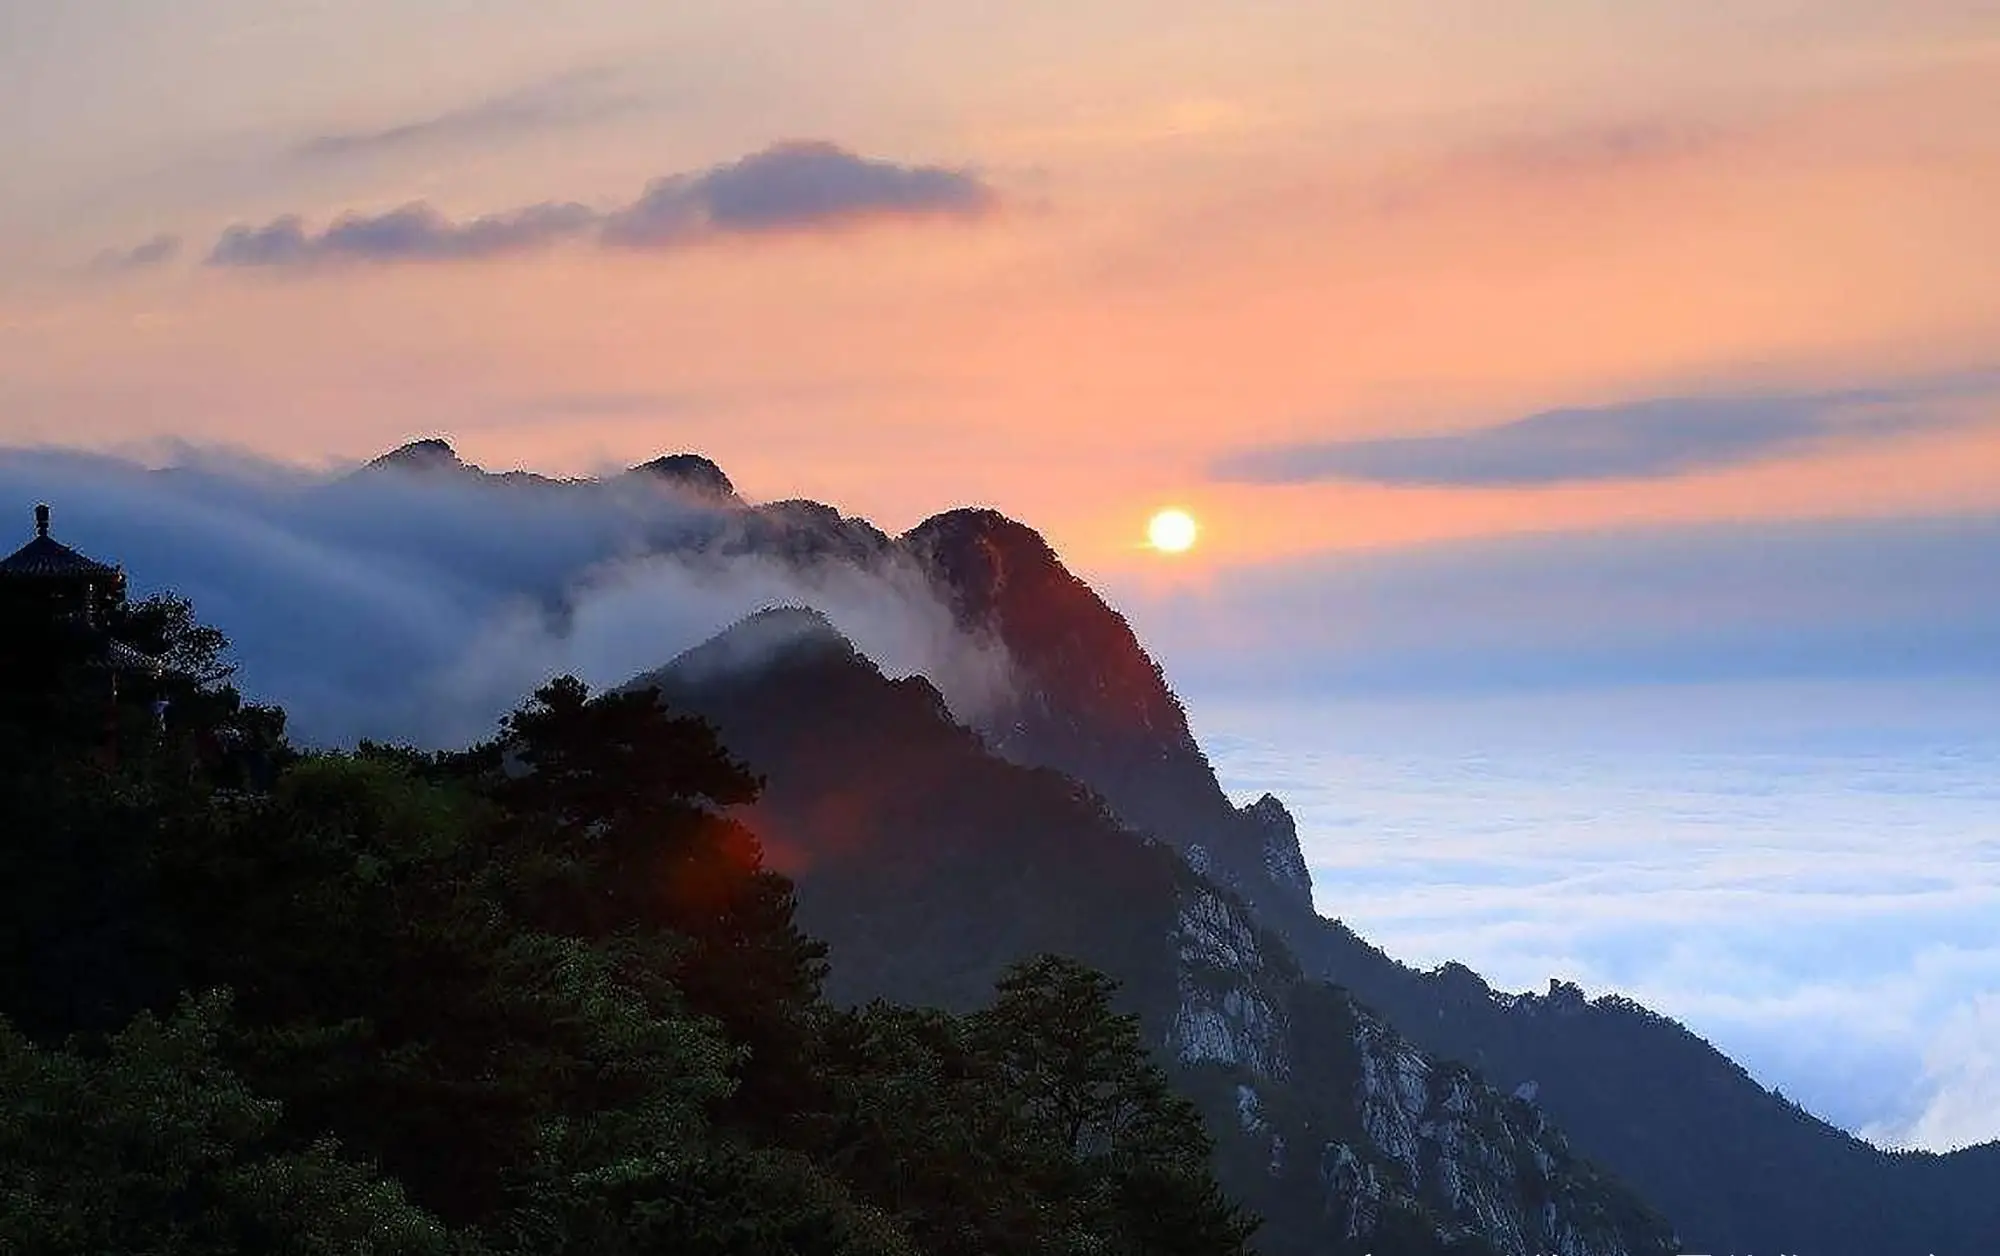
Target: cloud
(1962, 1074)
(567, 100)
(788, 187)
(1643, 440)
(146, 255)
(796, 186)
(422, 607)
(1822, 914)
(414, 232)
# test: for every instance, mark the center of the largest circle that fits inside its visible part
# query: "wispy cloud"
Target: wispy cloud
(1652, 439)
(146, 255)
(573, 99)
(1962, 1073)
(794, 186)
(414, 232)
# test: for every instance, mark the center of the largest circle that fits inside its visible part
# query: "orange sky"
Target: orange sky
(1219, 228)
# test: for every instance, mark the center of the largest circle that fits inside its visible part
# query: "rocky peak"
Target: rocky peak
(432, 454)
(692, 474)
(780, 638)
(1093, 703)
(1458, 985)
(1276, 835)
(987, 559)
(805, 533)
(1566, 998)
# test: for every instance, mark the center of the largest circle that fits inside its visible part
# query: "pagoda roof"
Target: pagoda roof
(45, 557)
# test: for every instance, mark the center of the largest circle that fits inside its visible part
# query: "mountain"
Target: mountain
(429, 456)
(1091, 703)
(690, 473)
(678, 502)
(1735, 1167)
(928, 862)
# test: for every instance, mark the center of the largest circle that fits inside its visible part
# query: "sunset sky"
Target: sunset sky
(1186, 250)
(1583, 369)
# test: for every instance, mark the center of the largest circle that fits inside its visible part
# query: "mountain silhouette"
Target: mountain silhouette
(884, 791)
(1734, 1166)
(928, 863)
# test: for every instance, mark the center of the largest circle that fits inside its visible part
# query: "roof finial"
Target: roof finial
(42, 519)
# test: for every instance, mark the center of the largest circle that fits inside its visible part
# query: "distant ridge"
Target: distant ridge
(690, 474)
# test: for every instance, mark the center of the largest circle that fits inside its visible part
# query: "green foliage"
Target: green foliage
(539, 997)
(164, 627)
(1035, 1126)
(155, 1146)
(1132, 1155)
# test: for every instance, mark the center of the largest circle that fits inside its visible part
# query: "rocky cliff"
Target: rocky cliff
(1734, 1166)
(928, 862)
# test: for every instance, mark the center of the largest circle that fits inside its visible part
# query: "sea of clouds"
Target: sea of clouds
(1746, 774)
(420, 607)
(1825, 918)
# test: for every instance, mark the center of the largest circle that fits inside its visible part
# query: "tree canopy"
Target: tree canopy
(539, 996)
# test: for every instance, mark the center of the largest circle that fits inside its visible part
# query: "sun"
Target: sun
(1172, 531)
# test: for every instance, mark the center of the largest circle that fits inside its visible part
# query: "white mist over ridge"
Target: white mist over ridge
(1822, 914)
(1743, 773)
(420, 607)
(624, 611)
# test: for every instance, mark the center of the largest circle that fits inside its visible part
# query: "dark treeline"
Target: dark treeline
(539, 996)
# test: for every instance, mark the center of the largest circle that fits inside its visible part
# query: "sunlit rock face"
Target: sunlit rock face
(1428, 1157)
(1354, 1192)
(1090, 702)
(1227, 1013)
(1486, 1165)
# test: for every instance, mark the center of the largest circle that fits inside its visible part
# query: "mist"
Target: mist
(420, 607)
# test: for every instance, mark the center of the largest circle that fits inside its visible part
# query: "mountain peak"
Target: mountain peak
(777, 637)
(808, 532)
(433, 453)
(1269, 810)
(1276, 835)
(980, 553)
(1093, 703)
(693, 473)
(982, 521)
